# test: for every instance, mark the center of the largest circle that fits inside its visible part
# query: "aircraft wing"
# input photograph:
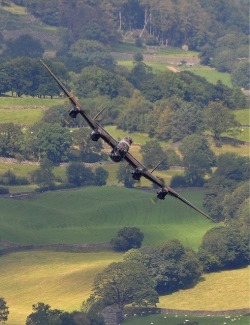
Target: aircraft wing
(113, 143)
(148, 175)
(91, 121)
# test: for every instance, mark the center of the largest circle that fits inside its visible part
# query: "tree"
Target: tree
(140, 72)
(80, 175)
(124, 175)
(51, 141)
(27, 76)
(44, 174)
(173, 159)
(225, 60)
(43, 315)
(125, 283)
(197, 159)
(226, 246)
(172, 267)
(152, 154)
(4, 81)
(127, 238)
(159, 121)
(101, 176)
(134, 117)
(24, 46)
(233, 201)
(93, 81)
(240, 75)
(4, 310)
(84, 148)
(219, 119)
(186, 120)
(11, 138)
(91, 53)
(231, 170)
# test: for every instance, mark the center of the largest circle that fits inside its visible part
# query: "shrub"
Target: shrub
(152, 41)
(178, 181)
(127, 238)
(4, 190)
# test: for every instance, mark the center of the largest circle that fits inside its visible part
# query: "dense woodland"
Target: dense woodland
(182, 108)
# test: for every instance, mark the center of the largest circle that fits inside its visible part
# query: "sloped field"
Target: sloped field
(96, 214)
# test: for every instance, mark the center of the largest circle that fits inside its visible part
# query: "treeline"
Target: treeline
(167, 106)
(218, 30)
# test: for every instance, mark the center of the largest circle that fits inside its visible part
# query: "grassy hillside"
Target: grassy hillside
(64, 280)
(96, 214)
(226, 290)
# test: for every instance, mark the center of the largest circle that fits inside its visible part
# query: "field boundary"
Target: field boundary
(10, 247)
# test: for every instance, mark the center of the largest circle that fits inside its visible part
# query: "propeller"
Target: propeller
(155, 199)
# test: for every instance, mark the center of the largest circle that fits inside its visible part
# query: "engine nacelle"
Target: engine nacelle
(162, 193)
(73, 112)
(137, 174)
(116, 155)
(95, 135)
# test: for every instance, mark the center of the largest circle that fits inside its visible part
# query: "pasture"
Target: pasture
(25, 110)
(225, 290)
(12, 103)
(64, 280)
(96, 214)
(170, 319)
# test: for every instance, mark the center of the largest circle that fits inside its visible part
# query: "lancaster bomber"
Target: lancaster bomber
(120, 149)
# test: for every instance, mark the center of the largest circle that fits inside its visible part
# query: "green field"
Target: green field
(22, 117)
(84, 215)
(25, 110)
(29, 102)
(209, 74)
(169, 319)
(96, 214)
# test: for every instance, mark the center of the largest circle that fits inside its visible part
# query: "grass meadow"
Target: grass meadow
(22, 117)
(229, 289)
(209, 74)
(25, 110)
(170, 319)
(96, 214)
(64, 280)
(9, 102)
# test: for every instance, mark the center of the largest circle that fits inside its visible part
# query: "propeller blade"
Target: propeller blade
(157, 165)
(96, 116)
(155, 199)
(138, 183)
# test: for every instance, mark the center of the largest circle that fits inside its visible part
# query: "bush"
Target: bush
(4, 190)
(127, 238)
(138, 57)
(9, 178)
(178, 181)
(138, 42)
(152, 41)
